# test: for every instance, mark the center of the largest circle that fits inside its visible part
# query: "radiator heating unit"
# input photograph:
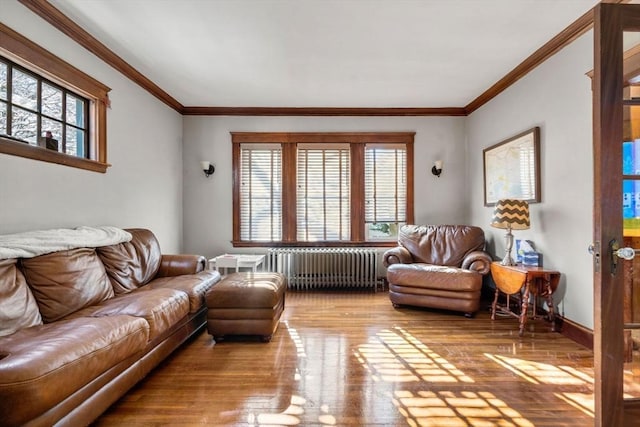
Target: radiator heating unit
(315, 268)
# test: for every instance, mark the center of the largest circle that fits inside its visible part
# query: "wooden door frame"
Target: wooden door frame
(610, 20)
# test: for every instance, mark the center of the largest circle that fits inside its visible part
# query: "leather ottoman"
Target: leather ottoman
(248, 303)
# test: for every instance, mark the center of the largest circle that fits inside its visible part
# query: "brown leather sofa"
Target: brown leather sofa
(80, 327)
(438, 266)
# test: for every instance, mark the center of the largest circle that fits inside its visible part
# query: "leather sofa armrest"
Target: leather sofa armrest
(478, 261)
(397, 255)
(177, 265)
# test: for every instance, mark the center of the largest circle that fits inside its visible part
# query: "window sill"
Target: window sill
(21, 149)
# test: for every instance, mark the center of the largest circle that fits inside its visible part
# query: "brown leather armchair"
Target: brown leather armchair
(438, 266)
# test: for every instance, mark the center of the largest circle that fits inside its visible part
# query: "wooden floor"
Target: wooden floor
(351, 359)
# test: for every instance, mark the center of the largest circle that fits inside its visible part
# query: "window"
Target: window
(323, 193)
(49, 110)
(39, 112)
(261, 193)
(329, 189)
(385, 180)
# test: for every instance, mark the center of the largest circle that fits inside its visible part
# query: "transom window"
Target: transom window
(41, 113)
(49, 110)
(321, 188)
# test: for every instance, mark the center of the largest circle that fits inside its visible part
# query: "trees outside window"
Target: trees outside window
(49, 110)
(39, 112)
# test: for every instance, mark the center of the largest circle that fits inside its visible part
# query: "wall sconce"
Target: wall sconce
(437, 168)
(208, 168)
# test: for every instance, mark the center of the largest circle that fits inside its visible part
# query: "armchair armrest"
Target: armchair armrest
(397, 255)
(478, 261)
(176, 265)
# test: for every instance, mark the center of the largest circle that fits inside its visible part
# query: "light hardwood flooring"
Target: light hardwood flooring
(351, 359)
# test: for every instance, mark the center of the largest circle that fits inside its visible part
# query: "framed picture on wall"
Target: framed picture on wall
(512, 169)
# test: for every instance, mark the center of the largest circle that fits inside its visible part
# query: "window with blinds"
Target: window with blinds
(261, 192)
(385, 190)
(321, 189)
(323, 207)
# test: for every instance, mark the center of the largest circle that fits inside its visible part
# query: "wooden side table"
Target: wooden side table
(537, 281)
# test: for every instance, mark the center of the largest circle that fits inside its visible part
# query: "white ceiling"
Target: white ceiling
(324, 53)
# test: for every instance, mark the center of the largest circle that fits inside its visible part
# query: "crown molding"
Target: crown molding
(319, 111)
(564, 38)
(568, 35)
(60, 21)
(55, 17)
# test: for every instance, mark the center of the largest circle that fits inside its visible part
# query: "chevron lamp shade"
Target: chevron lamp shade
(511, 213)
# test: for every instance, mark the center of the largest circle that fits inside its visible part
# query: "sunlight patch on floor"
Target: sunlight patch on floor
(291, 416)
(541, 373)
(581, 401)
(448, 408)
(397, 356)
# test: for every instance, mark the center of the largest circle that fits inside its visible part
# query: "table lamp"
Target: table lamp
(511, 214)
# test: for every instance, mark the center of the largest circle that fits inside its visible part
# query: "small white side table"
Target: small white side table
(236, 261)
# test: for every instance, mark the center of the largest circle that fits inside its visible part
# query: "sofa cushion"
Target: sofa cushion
(18, 308)
(43, 365)
(441, 244)
(132, 264)
(161, 308)
(65, 281)
(427, 276)
(194, 285)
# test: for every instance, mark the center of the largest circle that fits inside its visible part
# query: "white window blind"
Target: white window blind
(385, 189)
(323, 177)
(261, 192)
(527, 172)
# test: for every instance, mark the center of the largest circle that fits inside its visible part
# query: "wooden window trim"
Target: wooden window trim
(29, 55)
(358, 140)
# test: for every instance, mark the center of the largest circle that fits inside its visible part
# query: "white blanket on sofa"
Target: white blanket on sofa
(34, 243)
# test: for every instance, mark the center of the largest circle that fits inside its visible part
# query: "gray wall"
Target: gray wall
(143, 187)
(156, 176)
(557, 97)
(207, 201)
